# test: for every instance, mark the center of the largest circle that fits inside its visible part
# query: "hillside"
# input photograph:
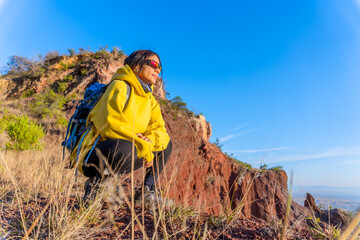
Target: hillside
(215, 195)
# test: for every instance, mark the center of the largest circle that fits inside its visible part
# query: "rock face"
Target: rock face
(198, 174)
(201, 125)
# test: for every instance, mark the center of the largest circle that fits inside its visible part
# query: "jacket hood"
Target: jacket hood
(126, 74)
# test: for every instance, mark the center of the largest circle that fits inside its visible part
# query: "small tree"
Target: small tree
(51, 55)
(264, 166)
(71, 52)
(18, 65)
(178, 103)
(218, 144)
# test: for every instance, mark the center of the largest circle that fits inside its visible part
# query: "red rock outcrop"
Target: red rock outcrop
(198, 174)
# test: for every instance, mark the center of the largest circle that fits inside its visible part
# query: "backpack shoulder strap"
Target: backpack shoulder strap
(128, 92)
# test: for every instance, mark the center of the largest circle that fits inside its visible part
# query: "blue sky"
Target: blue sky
(278, 80)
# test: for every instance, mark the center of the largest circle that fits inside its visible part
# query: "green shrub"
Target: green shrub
(62, 122)
(83, 71)
(3, 124)
(62, 86)
(234, 158)
(64, 65)
(102, 53)
(28, 93)
(68, 78)
(4, 121)
(277, 168)
(48, 104)
(244, 164)
(24, 134)
(72, 65)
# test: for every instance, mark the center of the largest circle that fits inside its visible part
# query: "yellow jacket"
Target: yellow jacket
(109, 119)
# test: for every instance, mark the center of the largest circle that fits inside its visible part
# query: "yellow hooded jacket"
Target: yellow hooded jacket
(109, 119)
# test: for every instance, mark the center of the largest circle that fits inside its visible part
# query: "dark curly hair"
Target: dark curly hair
(138, 58)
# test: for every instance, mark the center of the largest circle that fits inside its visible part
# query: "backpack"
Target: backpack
(77, 123)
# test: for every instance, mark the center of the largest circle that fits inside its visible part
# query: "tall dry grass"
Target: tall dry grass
(40, 198)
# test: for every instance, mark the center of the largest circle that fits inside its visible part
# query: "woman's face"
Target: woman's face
(148, 74)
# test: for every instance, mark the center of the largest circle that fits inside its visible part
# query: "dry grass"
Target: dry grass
(36, 184)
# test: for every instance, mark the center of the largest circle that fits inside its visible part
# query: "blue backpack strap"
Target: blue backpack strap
(92, 148)
(70, 143)
(64, 143)
(78, 150)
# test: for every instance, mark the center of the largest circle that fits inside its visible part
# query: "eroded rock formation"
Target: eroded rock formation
(335, 217)
(310, 203)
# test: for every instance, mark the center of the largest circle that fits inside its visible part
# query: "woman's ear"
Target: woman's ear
(137, 70)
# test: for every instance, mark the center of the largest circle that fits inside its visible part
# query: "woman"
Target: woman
(122, 119)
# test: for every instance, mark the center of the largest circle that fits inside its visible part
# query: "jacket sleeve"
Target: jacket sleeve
(108, 118)
(156, 130)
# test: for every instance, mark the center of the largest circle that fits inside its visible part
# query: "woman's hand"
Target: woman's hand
(143, 137)
(148, 164)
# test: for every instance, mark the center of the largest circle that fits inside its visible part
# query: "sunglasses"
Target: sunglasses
(153, 64)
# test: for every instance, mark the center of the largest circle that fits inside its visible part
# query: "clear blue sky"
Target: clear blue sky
(278, 80)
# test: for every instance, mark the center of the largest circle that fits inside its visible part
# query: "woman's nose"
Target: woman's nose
(157, 70)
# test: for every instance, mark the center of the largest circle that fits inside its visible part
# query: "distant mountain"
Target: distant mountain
(347, 198)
